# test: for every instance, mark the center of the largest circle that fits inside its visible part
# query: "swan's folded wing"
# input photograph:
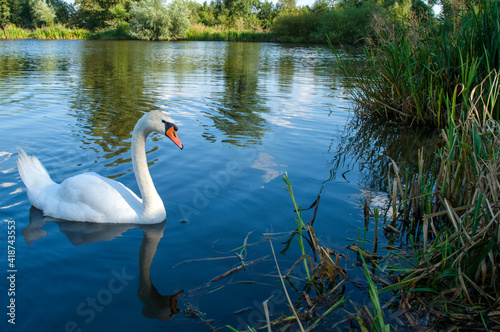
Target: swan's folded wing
(91, 197)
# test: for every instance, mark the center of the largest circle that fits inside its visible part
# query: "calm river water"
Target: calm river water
(247, 113)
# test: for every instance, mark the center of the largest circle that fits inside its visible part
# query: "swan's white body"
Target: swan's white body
(93, 198)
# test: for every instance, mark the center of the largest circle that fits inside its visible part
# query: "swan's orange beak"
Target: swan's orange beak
(172, 134)
(173, 302)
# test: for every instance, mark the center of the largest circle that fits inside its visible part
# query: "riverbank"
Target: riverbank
(195, 33)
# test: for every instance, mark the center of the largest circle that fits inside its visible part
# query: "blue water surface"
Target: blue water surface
(247, 113)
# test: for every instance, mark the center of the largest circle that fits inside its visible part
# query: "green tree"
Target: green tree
(64, 11)
(16, 10)
(266, 13)
(150, 20)
(323, 6)
(286, 5)
(4, 13)
(42, 12)
(179, 13)
(207, 14)
(97, 14)
(117, 16)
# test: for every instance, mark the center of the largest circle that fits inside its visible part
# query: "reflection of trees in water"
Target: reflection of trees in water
(109, 98)
(26, 64)
(286, 68)
(15, 63)
(240, 117)
(118, 80)
(372, 145)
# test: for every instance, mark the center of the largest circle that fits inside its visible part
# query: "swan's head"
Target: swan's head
(160, 122)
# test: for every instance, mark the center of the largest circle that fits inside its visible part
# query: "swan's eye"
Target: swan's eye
(169, 125)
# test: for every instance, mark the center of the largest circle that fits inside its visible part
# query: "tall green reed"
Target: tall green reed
(417, 73)
(204, 33)
(299, 223)
(10, 31)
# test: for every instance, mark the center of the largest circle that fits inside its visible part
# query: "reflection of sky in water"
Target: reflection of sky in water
(265, 162)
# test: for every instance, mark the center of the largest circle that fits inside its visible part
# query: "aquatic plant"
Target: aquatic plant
(11, 31)
(375, 321)
(300, 224)
(414, 72)
(200, 32)
(451, 218)
(58, 31)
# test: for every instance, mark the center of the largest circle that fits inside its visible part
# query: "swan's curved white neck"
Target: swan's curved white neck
(152, 205)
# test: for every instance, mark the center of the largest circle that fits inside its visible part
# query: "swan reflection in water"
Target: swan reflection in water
(155, 305)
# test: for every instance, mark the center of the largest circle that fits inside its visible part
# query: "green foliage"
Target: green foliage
(42, 12)
(98, 14)
(455, 243)
(120, 30)
(4, 12)
(378, 315)
(347, 24)
(267, 12)
(286, 5)
(117, 15)
(58, 31)
(204, 33)
(342, 23)
(415, 74)
(63, 10)
(206, 14)
(299, 222)
(10, 31)
(179, 18)
(15, 9)
(150, 20)
(295, 26)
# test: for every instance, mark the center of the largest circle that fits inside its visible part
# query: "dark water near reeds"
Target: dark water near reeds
(247, 113)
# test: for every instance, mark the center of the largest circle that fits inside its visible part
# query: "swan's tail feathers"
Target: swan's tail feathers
(32, 172)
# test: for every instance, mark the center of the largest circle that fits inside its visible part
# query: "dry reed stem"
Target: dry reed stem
(466, 198)
(284, 289)
(266, 311)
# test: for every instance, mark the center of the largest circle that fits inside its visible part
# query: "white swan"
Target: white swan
(91, 197)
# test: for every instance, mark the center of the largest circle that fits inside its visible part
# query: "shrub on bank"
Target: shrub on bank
(347, 25)
(151, 20)
(342, 24)
(296, 26)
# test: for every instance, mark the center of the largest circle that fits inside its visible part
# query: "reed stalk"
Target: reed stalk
(456, 248)
(299, 223)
